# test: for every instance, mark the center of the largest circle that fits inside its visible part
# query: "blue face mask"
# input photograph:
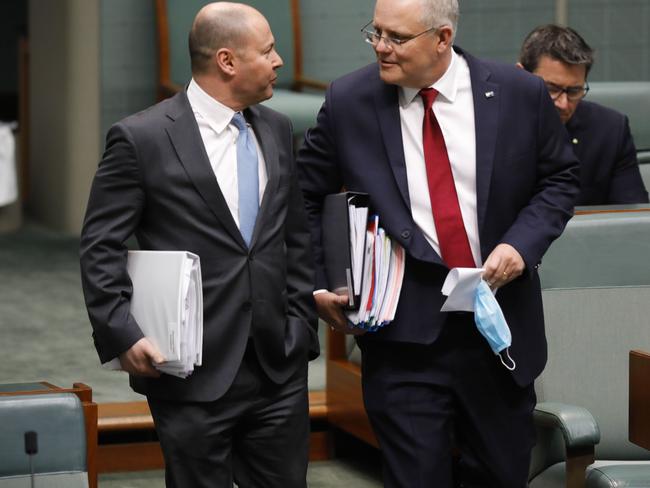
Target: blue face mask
(492, 324)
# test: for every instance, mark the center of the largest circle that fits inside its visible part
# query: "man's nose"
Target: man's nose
(562, 102)
(277, 60)
(382, 46)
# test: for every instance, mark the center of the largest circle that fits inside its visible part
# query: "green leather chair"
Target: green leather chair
(174, 19)
(58, 420)
(596, 294)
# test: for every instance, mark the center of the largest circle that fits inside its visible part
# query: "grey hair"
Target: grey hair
(215, 27)
(440, 12)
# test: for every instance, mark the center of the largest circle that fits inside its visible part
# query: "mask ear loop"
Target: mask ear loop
(509, 368)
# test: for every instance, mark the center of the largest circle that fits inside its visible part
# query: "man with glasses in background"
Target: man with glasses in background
(467, 164)
(609, 170)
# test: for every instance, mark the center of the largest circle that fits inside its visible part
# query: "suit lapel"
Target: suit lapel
(269, 147)
(486, 122)
(186, 139)
(387, 105)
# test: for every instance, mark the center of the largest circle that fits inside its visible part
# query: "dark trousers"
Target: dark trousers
(257, 434)
(424, 401)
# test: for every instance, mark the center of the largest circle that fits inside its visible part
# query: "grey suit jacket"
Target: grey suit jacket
(155, 181)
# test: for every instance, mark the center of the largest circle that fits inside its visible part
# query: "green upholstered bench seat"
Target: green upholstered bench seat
(596, 296)
(631, 98)
(16, 387)
(601, 474)
(601, 249)
(644, 167)
(618, 475)
(301, 107)
(58, 420)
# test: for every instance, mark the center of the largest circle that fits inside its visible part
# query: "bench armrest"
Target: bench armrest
(578, 426)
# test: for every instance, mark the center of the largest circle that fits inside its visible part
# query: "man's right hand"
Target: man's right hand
(138, 360)
(330, 308)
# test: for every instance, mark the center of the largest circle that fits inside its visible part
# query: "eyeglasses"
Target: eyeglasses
(573, 93)
(372, 37)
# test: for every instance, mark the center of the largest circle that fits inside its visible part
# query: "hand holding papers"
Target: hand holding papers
(361, 261)
(344, 229)
(381, 280)
(167, 304)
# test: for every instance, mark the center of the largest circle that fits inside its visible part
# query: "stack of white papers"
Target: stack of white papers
(381, 279)
(167, 304)
(358, 223)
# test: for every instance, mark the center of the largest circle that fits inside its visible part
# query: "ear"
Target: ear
(225, 59)
(446, 35)
(519, 65)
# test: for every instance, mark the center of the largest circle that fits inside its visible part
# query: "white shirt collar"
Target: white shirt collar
(215, 113)
(446, 86)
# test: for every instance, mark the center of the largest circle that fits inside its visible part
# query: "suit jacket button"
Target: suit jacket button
(246, 306)
(406, 234)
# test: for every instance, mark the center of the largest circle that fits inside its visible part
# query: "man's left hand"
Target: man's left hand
(503, 265)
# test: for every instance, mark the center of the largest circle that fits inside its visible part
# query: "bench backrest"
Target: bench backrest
(631, 98)
(58, 421)
(596, 293)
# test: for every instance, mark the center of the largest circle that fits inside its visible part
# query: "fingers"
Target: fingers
(503, 265)
(330, 309)
(140, 357)
(153, 353)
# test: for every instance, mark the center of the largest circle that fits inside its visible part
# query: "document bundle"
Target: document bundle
(361, 261)
(167, 304)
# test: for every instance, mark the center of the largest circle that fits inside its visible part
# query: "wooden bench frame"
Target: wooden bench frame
(345, 409)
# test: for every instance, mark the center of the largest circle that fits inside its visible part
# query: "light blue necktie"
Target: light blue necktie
(247, 178)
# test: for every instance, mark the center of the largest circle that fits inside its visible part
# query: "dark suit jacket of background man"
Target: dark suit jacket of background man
(609, 170)
(526, 177)
(155, 180)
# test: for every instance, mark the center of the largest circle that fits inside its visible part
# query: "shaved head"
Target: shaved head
(218, 25)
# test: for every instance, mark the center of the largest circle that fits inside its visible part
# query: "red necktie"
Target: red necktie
(452, 238)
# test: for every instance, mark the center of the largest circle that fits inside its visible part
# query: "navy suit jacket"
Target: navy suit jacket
(609, 170)
(155, 181)
(526, 185)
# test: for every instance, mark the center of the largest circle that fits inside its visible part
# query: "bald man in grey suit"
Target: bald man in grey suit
(170, 176)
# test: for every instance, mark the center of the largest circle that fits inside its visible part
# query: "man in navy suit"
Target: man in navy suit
(212, 172)
(430, 380)
(609, 170)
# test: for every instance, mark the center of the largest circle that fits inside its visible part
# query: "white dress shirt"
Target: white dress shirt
(454, 109)
(220, 141)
